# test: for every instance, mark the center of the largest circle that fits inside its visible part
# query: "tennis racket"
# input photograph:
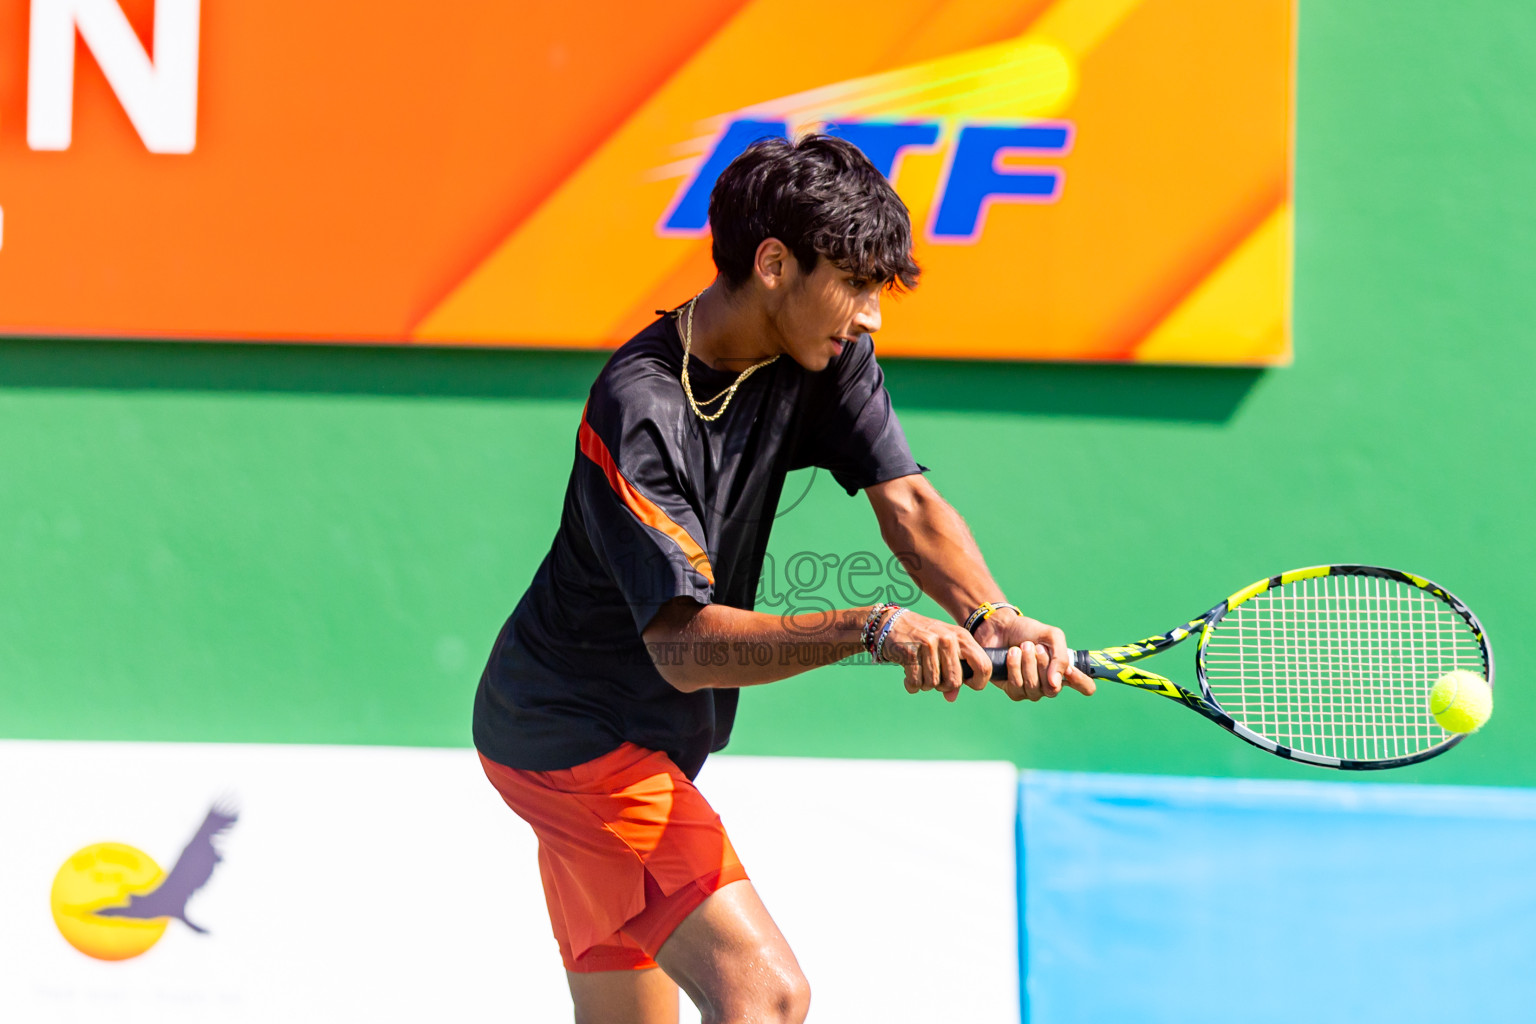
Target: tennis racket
(1330, 665)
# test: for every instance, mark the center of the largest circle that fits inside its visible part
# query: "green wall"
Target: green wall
(295, 544)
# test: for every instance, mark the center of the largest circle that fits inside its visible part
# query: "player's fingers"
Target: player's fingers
(911, 676)
(1014, 687)
(1043, 666)
(911, 671)
(1081, 682)
(1031, 668)
(981, 665)
(943, 681)
(1061, 656)
(949, 666)
(930, 661)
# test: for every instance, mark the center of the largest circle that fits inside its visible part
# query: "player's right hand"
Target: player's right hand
(932, 652)
(1038, 657)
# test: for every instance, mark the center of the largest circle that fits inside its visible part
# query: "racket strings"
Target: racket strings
(1339, 666)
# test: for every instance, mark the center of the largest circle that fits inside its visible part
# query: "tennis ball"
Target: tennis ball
(1461, 701)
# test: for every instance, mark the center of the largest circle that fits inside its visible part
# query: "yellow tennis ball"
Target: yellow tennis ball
(1461, 701)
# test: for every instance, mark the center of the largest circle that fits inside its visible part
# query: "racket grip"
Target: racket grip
(999, 656)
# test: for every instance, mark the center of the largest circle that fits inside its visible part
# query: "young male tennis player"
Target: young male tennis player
(594, 713)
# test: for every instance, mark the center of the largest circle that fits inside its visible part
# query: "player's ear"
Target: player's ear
(771, 263)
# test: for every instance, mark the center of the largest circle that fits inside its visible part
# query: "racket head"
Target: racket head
(1333, 665)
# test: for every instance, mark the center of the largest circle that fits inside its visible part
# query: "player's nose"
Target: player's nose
(867, 319)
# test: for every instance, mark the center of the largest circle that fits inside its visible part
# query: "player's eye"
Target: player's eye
(858, 284)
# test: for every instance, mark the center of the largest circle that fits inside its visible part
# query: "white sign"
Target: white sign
(360, 883)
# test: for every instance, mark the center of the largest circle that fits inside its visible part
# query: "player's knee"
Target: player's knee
(795, 1000)
(781, 995)
(786, 996)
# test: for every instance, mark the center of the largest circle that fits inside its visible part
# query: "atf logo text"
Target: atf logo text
(974, 177)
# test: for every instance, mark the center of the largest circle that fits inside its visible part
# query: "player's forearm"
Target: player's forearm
(712, 646)
(936, 547)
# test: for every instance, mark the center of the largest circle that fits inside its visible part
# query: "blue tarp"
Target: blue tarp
(1189, 900)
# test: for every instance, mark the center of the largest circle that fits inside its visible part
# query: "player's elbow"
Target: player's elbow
(669, 655)
(902, 505)
(677, 675)
(667, 642)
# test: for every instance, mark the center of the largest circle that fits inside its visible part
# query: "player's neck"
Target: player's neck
(730, 330)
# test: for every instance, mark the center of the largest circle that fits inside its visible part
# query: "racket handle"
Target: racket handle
(999, 656)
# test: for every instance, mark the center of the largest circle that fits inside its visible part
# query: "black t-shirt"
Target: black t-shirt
(660, 505)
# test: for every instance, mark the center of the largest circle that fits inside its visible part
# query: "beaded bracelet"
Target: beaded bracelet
(879, 652)
(872, 623)
(984, 612)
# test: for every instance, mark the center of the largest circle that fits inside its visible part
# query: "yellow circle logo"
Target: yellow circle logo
(99, 876)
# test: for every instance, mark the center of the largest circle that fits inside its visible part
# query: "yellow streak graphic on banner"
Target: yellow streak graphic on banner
(601, 222)
(1237, 313)
(1019, 78)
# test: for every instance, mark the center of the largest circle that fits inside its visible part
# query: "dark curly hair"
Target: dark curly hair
(820, 196)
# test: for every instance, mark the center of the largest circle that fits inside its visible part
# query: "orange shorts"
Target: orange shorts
(627, 849)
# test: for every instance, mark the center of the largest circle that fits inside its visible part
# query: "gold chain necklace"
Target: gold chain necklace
(729, 392)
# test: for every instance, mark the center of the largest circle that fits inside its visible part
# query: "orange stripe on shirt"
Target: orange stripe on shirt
(644, 509)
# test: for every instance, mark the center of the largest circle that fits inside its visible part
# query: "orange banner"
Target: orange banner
(1088, 179)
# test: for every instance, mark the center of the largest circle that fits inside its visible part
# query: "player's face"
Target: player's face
(824, 311)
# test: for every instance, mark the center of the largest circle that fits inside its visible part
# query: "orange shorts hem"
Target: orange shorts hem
(628, 848)
(654, 925)
(596, 961)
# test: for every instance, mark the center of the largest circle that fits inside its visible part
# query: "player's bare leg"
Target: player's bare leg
(624, 997)
(733, 962)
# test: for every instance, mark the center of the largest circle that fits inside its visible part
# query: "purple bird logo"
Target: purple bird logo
(113, 902)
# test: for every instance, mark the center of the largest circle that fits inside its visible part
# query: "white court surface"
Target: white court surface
(392, 884)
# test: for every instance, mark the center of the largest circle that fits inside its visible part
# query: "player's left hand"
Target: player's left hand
(935, 655)
(1038, 658)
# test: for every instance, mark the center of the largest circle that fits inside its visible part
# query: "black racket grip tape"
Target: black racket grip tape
(999, 656)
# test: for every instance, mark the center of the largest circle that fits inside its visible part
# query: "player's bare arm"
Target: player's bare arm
(683, 628)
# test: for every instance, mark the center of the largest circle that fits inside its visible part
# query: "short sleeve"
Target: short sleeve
(629, 486)
(853, 430)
